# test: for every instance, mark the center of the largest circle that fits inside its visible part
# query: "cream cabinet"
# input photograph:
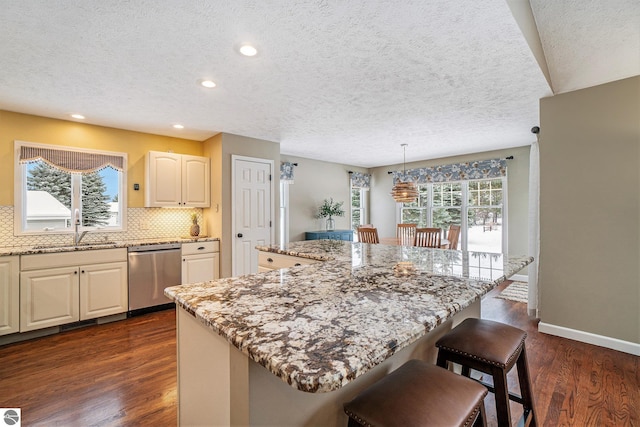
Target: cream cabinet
(176, 180)
(272, 261)
(200, 262)
(9, 294)
(103, 290)
(67, 287)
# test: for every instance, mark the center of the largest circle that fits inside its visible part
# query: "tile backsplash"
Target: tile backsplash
(142, 223)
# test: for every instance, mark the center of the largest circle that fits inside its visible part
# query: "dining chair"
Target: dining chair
(453, 236)
(406, 234)
(368, 235)
(428, 237)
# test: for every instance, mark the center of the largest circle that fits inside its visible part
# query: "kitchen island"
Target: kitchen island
(288, 347)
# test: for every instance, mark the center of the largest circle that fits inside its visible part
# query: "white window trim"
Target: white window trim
(364, 202)
(20, 200)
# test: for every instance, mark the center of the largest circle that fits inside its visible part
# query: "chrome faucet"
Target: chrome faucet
(76, 237)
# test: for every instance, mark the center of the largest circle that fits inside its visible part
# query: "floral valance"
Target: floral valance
(480, 169)
(360, 180)
(71, 161)
(286, 172)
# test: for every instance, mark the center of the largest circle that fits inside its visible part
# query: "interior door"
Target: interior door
(252, 211)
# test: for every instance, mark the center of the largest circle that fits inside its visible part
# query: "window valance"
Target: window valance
(360, 180)
(71, 161)
(286, 172)
(480, 169)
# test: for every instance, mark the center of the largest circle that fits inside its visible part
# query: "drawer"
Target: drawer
(73, 258)
(194, 248)
(275, 261)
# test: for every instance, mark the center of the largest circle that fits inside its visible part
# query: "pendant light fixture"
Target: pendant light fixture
(404, 191)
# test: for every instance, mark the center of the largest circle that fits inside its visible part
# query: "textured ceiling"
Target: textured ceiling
(339, 81)
(589, 42)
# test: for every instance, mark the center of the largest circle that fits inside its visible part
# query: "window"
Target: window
(475, 205)
(359, 184)
(358, 207)
(57, 185)
(485, 215)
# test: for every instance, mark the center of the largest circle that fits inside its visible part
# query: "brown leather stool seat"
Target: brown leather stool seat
(494, 349)
(419, 394)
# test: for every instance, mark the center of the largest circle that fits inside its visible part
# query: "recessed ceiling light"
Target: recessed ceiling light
(78, 116)
(208, 83)
(178, 126)
(248, 50)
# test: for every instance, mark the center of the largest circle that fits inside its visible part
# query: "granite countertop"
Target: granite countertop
(85, 246)
(319, 326)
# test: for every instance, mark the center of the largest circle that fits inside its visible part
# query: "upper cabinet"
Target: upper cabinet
(176, 180)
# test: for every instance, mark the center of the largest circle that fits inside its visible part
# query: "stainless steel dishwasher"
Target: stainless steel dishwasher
(152, 268)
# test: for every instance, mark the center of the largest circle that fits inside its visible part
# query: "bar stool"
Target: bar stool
(419, 394)
(492, 348)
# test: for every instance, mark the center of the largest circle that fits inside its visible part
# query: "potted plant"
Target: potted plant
(328, 209)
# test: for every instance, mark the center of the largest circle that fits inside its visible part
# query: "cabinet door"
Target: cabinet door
(103, 290)
(48, 298)
(9, 295)
(200, 268)
(163, 179)
(195, 181)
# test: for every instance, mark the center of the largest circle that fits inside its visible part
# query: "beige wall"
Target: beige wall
(589, 210)
(315, 181)
(25, 127)
(383, 207)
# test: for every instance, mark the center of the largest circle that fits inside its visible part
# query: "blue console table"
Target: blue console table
(331, 235)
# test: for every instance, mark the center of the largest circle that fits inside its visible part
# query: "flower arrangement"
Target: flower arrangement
(329, 208)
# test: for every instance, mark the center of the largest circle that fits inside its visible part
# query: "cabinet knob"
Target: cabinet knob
(269, 259)
(75, 272)
(239, 234)
(201, 248)
(297, 264)
(82, 271)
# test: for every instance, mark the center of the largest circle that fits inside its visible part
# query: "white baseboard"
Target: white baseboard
(519, 278)
(589, 338)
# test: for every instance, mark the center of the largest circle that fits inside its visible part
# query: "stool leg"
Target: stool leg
(442, 359)
(466, 371)
(481, 420)
(503, 411)
(525, 388)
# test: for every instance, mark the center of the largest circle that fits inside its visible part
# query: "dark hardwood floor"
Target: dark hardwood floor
(124, 374)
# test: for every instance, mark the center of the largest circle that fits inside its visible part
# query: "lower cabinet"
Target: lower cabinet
(55, 296)
(200, 262)
(272, 261)
(9, 294)
(49, 298)
(103, 290)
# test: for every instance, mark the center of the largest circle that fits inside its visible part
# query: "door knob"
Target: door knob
(239, 234)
